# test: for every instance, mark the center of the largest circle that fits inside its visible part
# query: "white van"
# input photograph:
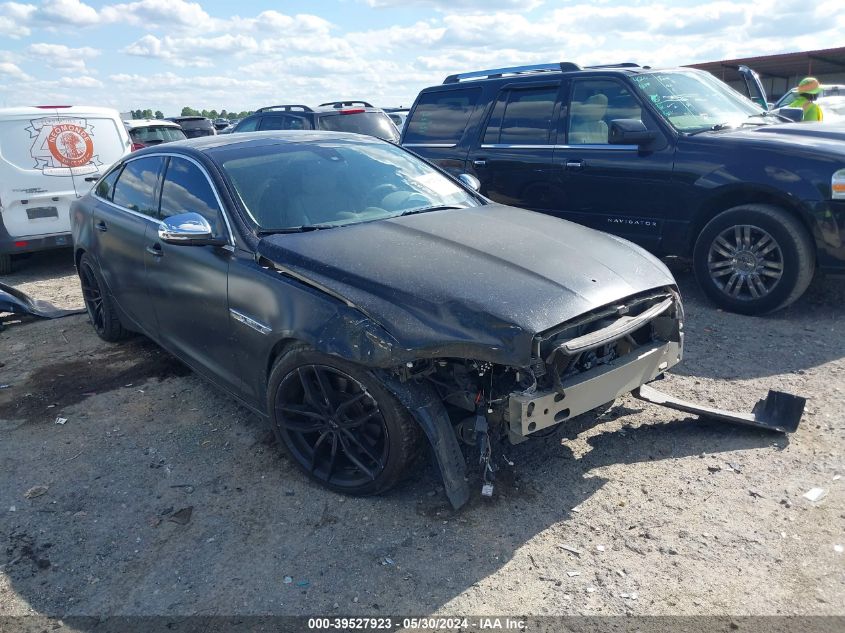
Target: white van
(49, 156)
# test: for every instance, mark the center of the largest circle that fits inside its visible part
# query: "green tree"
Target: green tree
(186, 111)
(159, 114)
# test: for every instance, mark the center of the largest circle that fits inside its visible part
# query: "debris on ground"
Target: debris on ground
(570, 549)
(35, 491)
(572, 574)
(287, 580)
(599, 548)
(61, 421)
(815, 494)
(183, 516)
(387, 561)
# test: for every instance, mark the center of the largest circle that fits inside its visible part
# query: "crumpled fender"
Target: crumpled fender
(428, 410)
(17, 302)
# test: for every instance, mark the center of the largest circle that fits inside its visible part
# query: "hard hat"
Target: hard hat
(809, 85)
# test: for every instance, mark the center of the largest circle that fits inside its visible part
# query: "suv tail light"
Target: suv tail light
(137, 146)
(356, 111)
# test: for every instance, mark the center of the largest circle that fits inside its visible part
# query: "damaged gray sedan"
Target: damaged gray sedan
(365, 303)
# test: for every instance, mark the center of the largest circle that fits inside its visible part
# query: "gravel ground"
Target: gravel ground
(160, 495)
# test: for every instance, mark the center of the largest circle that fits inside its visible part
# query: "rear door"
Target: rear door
(438, 124)
(124, 214)
(514, 155)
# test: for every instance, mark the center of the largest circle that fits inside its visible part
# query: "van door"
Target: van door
(513, 157)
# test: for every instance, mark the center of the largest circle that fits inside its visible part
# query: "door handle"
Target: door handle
(101, 226)
(92, 178)
(574, 164)
(155, 250)
(480, 162)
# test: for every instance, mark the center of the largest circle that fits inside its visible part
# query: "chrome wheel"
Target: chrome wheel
(334, 426)
(745, 262)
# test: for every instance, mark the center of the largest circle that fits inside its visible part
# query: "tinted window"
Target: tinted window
(281, 122)
(135, 188)
(250, 125)
(155, 134)
(595, 103)
(523, 117)
(185, 189)
(105, 187)
(370, 123)
(441, 117)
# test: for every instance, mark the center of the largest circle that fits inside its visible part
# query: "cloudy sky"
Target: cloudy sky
(165, 54)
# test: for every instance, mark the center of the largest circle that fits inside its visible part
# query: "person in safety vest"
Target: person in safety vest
(808, 91)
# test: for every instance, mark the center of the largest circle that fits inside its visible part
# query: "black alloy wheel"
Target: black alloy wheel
(339, 423)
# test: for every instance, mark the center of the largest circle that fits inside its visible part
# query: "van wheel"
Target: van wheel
(5, 264)
(342, 427)
(753, 259)
(98, 302)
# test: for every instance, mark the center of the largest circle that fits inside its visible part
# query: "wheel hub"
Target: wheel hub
(745, 262)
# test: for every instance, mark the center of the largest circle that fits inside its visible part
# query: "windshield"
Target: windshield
(298, 185)
(376, 124)
(693, 101)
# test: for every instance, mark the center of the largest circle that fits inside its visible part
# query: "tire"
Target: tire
(99, 303)
(753, 259)
(5, 264)
(360, 460)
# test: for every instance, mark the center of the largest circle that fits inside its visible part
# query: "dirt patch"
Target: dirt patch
(69, 382)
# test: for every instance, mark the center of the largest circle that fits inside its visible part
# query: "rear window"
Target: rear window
(155, 134)
(375, 124)
(441, 116)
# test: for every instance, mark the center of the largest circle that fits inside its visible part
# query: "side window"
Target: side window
(282, 123)
(441, 117)
(105, 187)
(185, 189)
(595, 103)
(250, 125)
(522, 117)
(135, 188)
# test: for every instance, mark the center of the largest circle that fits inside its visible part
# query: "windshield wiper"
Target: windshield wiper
(712, 128)
(436, 207)
(299, 229)
(771, 115)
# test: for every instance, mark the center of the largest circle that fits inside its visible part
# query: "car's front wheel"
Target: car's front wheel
(754, 259)
(339, 423)
(98, 302)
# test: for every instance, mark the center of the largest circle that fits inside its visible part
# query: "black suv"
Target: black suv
(339, 116)
(672, 159)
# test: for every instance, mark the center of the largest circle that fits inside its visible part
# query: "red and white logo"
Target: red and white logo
(63, 146)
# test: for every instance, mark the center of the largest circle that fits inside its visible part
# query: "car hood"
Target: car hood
(492, 275)
(808, 136)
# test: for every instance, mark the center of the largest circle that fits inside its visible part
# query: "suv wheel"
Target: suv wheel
(5, 264)
(753, 259)
(340, 425)
(98, 302)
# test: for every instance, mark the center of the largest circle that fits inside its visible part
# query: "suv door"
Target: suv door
(125, 210)
(514, 155)
(622, 189)
(187, 283)
(283, 122)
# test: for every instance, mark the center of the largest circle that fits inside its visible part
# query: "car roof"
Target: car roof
(47, 110)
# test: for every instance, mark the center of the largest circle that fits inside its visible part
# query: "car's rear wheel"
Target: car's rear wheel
(5, 264)
(754, 259)
(339, 423)
(98, 302)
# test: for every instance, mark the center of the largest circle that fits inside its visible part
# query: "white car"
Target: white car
(49, 157)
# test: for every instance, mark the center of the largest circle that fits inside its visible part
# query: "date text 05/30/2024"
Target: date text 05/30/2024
(417, 624)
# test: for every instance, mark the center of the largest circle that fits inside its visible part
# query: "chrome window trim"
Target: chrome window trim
(429, 144)
(171, 155)
(586, 146)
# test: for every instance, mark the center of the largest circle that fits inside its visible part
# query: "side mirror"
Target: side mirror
(470, 181)
(190, 229)
(630, 132)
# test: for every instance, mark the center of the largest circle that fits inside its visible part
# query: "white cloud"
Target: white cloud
(59, 12)
(80, 82)
(8, 69)
(62, 57)
(459, 5)
(190, 51)
(158, 13)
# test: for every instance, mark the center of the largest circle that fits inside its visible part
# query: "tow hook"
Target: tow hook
(779, 411)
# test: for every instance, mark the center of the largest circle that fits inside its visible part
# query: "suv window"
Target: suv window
(186, 189)
(523, 117)
(249, 125)
(369, 123)
(135, 188)
(283, 122)
(596, 102)
(105, 187)
(441, 116)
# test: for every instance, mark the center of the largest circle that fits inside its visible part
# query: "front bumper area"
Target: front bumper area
(529, 413)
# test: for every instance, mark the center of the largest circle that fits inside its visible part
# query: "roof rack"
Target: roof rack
(286, 108)
(619, 65)
(346, 104)
(512, 70)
